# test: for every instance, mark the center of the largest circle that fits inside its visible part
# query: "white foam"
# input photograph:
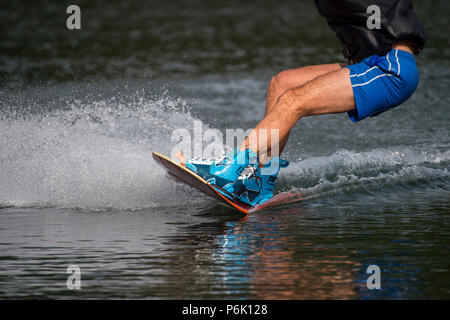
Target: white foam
(95, 155)
(368, 171)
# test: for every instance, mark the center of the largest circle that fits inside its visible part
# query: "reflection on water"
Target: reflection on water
(276, 266)
(306, 251)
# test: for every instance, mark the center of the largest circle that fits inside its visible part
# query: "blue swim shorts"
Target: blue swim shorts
(382, 82)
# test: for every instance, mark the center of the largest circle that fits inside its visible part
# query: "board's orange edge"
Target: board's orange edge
(202, 180)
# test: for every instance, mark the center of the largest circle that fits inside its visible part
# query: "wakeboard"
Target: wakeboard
(192, 179)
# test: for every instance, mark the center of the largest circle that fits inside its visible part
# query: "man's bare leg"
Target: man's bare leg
(293, 78)
(284, 81)
(325, 94)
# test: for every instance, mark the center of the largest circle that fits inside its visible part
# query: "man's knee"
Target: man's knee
(277, 87)
(273, 87)
(279, 83)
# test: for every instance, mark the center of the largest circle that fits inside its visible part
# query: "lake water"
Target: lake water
(82, 111)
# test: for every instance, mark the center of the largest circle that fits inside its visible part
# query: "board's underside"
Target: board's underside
(194, 180)
(197, 182)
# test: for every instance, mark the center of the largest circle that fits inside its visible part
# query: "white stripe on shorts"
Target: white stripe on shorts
(387, 57)
(363, 84)
(398, 63)
(361, 74)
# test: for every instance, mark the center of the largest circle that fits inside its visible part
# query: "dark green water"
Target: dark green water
(81, 112)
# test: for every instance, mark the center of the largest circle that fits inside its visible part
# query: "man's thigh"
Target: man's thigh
(328, 93)
(293, 78)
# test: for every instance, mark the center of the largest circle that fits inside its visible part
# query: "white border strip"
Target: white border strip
(396, 52)
(361, 74)
(387, 57)
(381, 75)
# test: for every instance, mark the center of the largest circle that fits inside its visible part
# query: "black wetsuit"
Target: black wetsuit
(348, 18)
